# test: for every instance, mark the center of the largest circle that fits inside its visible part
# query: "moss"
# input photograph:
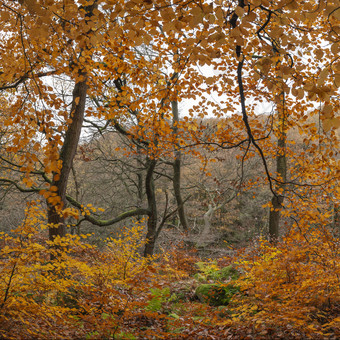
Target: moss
(225, 273)
(216, 294)
(210, 271)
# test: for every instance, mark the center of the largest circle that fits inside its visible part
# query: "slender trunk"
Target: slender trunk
(67, 153)
(204, 235)
(207, 221)
(281, 169)
(139, 182)
(75, 229)
(177, 169)
(152, 207)
(206, 231)
(76, 183)
(336, 217)
(274, 218)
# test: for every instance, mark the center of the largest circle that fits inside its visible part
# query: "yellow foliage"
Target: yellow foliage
(66, 297)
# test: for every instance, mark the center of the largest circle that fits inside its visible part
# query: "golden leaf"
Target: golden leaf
(256, 3)
(239, 11)
(4, 16)
(335, 48)
(336, 14)
(319, 53)
(327, 110)
(337, 79)
(331, 123)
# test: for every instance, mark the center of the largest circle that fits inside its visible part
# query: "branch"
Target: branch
(126, 133)
(225, 202)
(233, 23)
(27, 76)
(8, 286)
(104, 223)
(265, 23)
(20, 188)
(246, 123)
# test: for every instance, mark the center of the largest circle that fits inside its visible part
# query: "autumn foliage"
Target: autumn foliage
(286, 291)
(248, 86)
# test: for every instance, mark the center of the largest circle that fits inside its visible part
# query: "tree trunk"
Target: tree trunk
(151, 235)
(206, 231)
(75, 229)
(177, 169)
(67, 154)
(336, 217)
(274, 218)
(139, 182)
(281, 170)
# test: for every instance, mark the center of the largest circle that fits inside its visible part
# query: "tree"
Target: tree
(37, 105)
(96, 47)
(124, 65)
(177, 169)
(73, 35)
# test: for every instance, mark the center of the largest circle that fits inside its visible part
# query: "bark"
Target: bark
(70, 145)
(274, 218)
(208, 216)
(207, 222)
(152, 207)
(104, 223)
(67, 154)
(177, 170)
(75, 229)
(281, 169)
(139, 183)
(336, 217)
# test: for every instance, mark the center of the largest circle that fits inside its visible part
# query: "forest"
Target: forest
(169, 169)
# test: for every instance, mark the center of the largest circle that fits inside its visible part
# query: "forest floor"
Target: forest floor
(290, 290)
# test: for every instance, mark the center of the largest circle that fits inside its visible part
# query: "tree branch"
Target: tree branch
(246, 123)
(25, 77)
(104, 223)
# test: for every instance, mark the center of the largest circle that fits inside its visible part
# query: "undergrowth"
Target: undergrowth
(287, 291)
